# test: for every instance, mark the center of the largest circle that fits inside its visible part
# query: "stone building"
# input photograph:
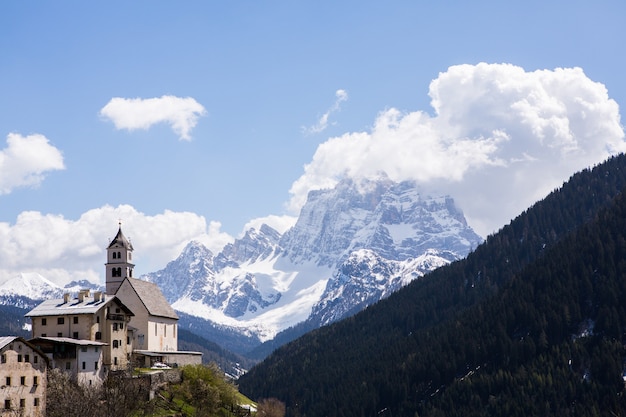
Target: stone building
(22, 378)
(69, 330)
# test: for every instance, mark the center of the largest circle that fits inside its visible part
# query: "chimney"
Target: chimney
(66, 298)
(82, 294)
(97, 296)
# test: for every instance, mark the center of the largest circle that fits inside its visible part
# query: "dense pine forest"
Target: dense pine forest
(530, 323)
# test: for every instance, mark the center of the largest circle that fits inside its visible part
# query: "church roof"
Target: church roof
(151, 296)
(120, 241)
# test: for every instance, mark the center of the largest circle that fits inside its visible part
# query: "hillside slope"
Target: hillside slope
(503, 332)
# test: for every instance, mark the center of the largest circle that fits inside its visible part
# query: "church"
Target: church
(130, 325)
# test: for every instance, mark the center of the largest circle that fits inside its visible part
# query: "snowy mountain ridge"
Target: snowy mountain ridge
(351, 246)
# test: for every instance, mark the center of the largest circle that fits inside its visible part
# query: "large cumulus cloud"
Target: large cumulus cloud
(499, 139)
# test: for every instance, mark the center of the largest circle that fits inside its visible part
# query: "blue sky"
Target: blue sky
(189, 120)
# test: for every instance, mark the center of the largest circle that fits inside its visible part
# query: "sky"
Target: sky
(195, 120)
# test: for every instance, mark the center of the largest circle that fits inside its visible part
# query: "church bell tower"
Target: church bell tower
(118, 266)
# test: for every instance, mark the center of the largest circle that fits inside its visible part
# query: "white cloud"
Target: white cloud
(25, 161)
(279, 223)
(500, 139)
(63, 250)
(137, 113)
(322, 123)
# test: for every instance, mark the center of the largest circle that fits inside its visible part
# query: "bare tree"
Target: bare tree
(271, 407)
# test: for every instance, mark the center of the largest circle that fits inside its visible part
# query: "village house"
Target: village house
(86, 336)
(22, 378)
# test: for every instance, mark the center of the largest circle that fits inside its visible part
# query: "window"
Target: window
(83, 348)
(68, 365)
(75, 335)
(121, 326)
(35, 359)
(95, 365)
(26, 358)
(44, 335)
(75, 320)
(84, 365)
(22, 402)
(8, 381)
(19, 358)
(128, 340)
(114, 327)
(44, 321)
(119, 255)
(35, 381)
(7, 404)
(36, 402)
(60, 334)
(115, 344)
(97, 348)
(98, 335)
(61, 320)
(115, 360)
(114, 255)
(22, 380)
(3, 358)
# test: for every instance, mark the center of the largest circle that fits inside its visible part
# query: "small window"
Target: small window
(114, 255)
(7, 404)
(84, 365)
(20, 358)
(115, 344)
(114, 327)
(75, 320)
(22, 380)
(3, 358)
(97, 319)
(95, 366)
(35, 381)
(44, 321)
(68, 365)
(83, 348)
(75, 335)
(36, 402)
(98, 335)
(22, 402)
(26, 358)
(121, 326)
(97, 348)
(128, 340)
(115, 360)
(8, 381)
(44, 335)
(119, 255)
(59, 334)
(35, 359)
(61, 320)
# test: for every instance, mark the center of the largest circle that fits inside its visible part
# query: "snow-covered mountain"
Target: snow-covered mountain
(26, 290)
(351, 246)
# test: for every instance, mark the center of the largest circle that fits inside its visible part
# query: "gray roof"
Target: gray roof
(151, 296)
(57, 306)
(69, 340)
(120, 241)
(5, 340)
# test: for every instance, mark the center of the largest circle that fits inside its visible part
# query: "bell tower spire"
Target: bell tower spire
(119, 257)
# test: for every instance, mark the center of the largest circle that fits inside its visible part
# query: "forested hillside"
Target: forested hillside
(530, 323)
